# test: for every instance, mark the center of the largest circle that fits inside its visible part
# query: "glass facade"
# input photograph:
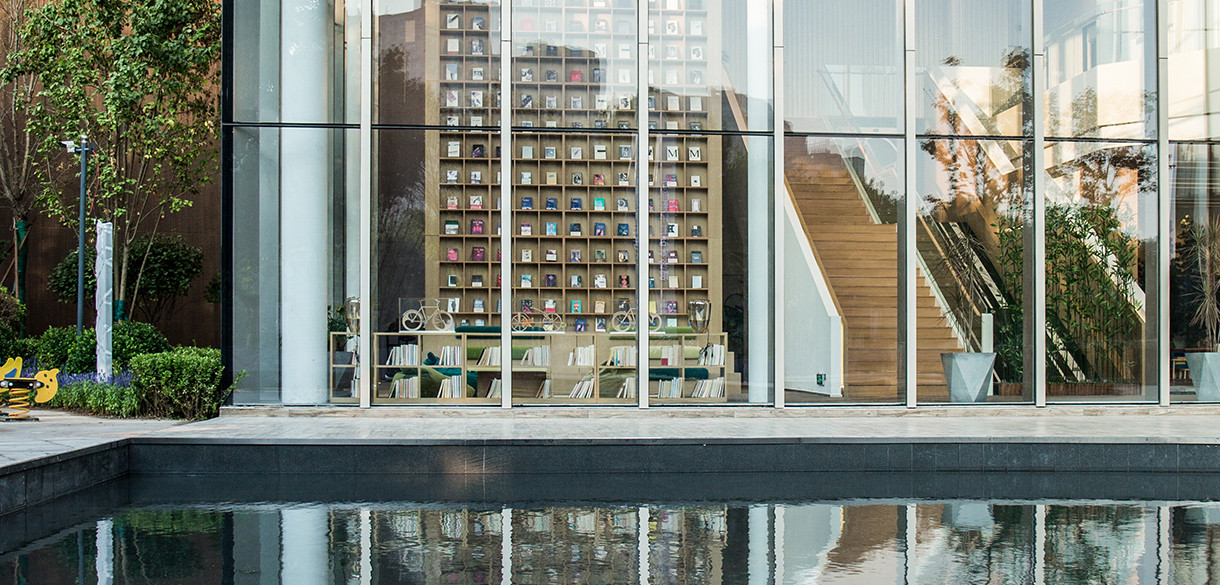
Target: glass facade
(663, 202)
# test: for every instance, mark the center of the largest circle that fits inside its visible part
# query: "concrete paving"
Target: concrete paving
(58, 432)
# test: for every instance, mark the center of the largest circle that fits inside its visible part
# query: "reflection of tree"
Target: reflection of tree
(1089, 115)
(1093, 544)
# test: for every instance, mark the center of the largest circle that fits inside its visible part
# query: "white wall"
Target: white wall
(813, 329)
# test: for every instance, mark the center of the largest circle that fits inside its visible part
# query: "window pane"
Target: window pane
(1101, 69)
(1193, 29)
(574, 66)
(425, 44)
(1101, 219)
(841, 269)
(973, 67)
(843, 66)
(971, 246)
(1194, 271)
(709, 65)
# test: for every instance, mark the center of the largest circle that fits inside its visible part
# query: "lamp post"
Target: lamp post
(83, 150)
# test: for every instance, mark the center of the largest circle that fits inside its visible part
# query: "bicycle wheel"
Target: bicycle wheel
(413, 320)
(622, 321)
(654, 322)
(442, 321)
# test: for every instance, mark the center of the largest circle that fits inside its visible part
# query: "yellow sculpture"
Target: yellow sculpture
(45, 384)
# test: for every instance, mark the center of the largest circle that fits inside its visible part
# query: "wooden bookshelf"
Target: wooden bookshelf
(573, 69)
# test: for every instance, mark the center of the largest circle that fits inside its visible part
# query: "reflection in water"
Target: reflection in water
(864, 542)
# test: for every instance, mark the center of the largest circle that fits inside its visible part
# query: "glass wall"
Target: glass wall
(630, 117)
(1194, 272)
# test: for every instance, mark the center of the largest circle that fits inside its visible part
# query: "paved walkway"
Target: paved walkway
(1175, 427)
(60, 432)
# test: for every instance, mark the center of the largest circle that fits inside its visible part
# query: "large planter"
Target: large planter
(1205, 371)
(967, 375)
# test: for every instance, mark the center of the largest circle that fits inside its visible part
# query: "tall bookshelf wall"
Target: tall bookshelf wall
(583, 84)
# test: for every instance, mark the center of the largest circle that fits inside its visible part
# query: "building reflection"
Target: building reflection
(860, 542)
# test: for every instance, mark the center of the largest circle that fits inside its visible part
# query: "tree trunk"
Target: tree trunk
(22, 232)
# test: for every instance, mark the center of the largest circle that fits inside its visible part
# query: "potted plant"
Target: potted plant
(959, 274)
(1202, 251)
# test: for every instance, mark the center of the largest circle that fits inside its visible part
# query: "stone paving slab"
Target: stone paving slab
(57, 432)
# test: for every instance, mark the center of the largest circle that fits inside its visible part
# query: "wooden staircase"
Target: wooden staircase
(860, 258)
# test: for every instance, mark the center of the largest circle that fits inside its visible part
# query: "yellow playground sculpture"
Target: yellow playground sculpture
(44, 384)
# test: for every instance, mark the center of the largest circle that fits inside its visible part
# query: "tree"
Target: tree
(170, 266)
(23, 173)
(139, 78)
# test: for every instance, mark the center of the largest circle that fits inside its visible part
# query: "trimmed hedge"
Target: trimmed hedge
(60, 348)
(182, 383)
(98, 398)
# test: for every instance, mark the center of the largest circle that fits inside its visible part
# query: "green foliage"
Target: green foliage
(1090, 263)
(98, 398)
(12, 317)
(138, 77)
(212, 293)
(161, 272)
(183, 383)
(60, 348)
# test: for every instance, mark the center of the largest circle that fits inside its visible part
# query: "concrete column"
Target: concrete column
(759, 52)
(641, 534)
(304, 182)
(105, 552)
(306, 552)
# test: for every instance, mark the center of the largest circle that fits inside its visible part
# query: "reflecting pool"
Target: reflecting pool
(852, 541)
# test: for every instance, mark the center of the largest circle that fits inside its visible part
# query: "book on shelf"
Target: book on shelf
(622, 256)
(452, 387)
(544, 390)
(451, 255)
(476, 177)
(583, 356)
(672, 204)
(576, 204)
(599, 324)
(578, 178)
(696, 231)
(576, 306)
(403, 355)
(453, 46)
(537, 356)
(672, 256)
(696, 204)
(624, 281)
(527, 255)
(575, 281)
(712, 355)
(696, 257)
(476, 227)
(453, 20)
(628, 389)
(477, 151)
(582, 389)
(599, 255)
(477, 23)
(599, 281)
(696, 105)
(548, 152)
(599, 179)
(575, 75)
(574, 229)
(476, 99)
(455, 148)
(623, 204)
(624, 179)
(694, 153)
(582, 324)
(527, 280)
(599, 152)
(495, 388)
(490, 356)
(552, 178)
(577, 153)
(527, 305)
(671, 388)
(696, 281)
(527, 203)
(599, 229)
(549, 306)
(476, 202)
(552, 228)
(404, 387)
(552, 256)
(552, 203)
(673, 281)
(452, 227)
(527, 152)
(527, 178)
(453, 304)
(574, 256)
(478, 306)
(599, 204)
(652, 282)
(551, 280)
(671, 230)
(526, 229)
(451, 176)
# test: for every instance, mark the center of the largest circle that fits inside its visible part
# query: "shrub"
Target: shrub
(12, 315)
(88, 392)
(183, 383)
(60, 348)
